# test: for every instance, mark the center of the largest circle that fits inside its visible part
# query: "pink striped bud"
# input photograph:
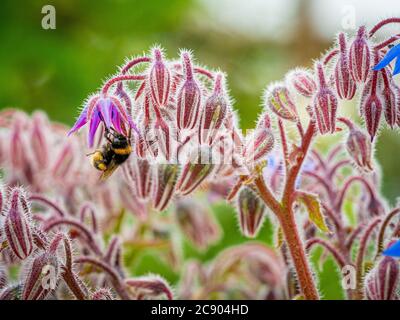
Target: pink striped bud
(325, 104)
(196, 223)
(17, 224)
(302, 81)
(260, 142)
(251, 212)
(163, 138)
(198, 168)
(390, 98)
(381, 282)
(371, 109)
(149, 287)
(102, 294)
(159, 80)
(42, 277)
(358, 146)
(360, 62)
(188, 98)
(345, 85)
(39, 141)
(139, 174)
(12, 292)
(64, 162)
(164, 186)
(214, 112)
(277, 97)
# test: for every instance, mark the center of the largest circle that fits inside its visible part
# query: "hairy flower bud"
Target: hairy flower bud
(149, 287)
(279, 100)
(102, 294)
(260, 142)
(199, 166)
(139, 173)
(196, 223)
(381, 282)
(42, 276)
(251, 212)
(164, 186)
(159, 80)
(390, 98)
(371, 106)
(302, 81)
(188, 98)
(17, 224)
(345, 85)
(39, 140)
(325, 104)
(214, 112)
(360, 62)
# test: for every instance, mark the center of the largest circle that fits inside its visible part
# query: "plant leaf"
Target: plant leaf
(313, 206)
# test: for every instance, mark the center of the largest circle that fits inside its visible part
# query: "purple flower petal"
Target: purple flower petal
(94, 124)
(116, 119)
(104, 106)
(80, 122)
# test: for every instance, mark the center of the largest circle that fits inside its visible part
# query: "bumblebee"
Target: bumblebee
(113, 153)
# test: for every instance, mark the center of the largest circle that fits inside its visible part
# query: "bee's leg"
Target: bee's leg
(98, 161)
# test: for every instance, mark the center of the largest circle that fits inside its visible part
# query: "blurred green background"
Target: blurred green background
(254, 41)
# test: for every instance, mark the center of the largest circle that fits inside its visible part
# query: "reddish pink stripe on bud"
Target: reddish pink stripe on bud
(164, 186)
(139, 173)
(372, 111)
(159, 79)
(17, 224)
(279, 100)
(360, 62)
(345, 85)
(189, 97)
(251, 212)
(214, 112)
(325, 104)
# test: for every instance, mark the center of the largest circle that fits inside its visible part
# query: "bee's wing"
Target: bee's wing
(109, 171)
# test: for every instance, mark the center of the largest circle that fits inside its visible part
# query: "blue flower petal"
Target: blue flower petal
(80, 122)
(393, 250)
(392, 53)
(397, 67)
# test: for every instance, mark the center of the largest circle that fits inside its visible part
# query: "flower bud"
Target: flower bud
(198, 168)
(149, 287)
(302, 81)
(39, 141)
(381, 282)
(360, 61)
(279, 100)
(345, 85)
(196, 223)
(159, 80)
(189, 97)
(390, 98)
(251, 212)
(371, 107)
(17, 224)
(325, 104)
(139, 173)
(260, 142)
(102, 294)
(214, 112)
(64, 162)
(164, 186)
(42, 276)
(12, 292)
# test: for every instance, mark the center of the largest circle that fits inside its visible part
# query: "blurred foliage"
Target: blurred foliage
(55, 70)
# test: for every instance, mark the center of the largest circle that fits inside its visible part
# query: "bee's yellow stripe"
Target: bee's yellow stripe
(123, 151)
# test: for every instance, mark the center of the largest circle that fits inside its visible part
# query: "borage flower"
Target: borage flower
(393, 53)
(106, 109)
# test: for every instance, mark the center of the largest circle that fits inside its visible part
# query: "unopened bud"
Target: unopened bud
(149, 287)
(279, 100)
(164, 186)
(251, 212)
(159, 80)
(381, 282)
(17, 224)
(325, 104)
(302, 81)
(345, 85)
(360, 56)
(139, 174)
